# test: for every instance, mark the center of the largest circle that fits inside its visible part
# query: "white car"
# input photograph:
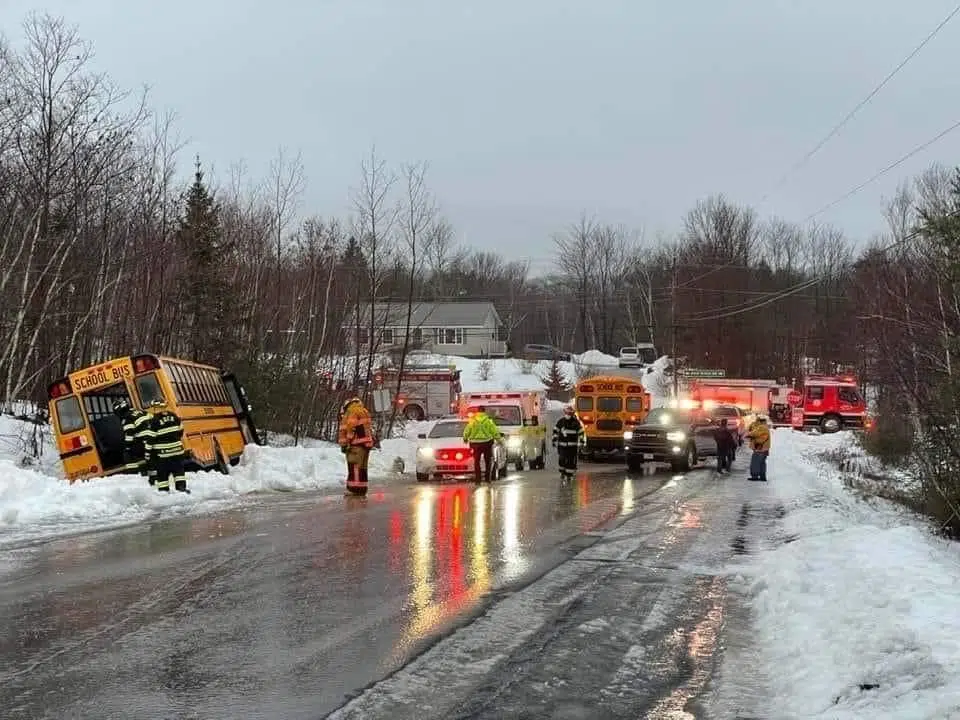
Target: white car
(442, 453)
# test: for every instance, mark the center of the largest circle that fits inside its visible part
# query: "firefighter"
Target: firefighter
(166, 454)
(726, 446)
(136, 425)
(356, 440)
(480, 433)
(567, 436)
(759, 435)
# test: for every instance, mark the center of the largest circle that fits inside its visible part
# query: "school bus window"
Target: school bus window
(222, 392)
(584, 404)
(609, 404)
(69, 417)
(148, 387)
(209, 391)
(197, 376)
(203, 388)
(219, 391)
(173, 375)
(189, 391)
(100, 405)
(634, 404)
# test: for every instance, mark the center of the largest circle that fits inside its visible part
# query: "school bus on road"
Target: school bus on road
(607, 405)
(211, 404)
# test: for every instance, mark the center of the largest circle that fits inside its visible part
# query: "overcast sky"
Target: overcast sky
(531, 111)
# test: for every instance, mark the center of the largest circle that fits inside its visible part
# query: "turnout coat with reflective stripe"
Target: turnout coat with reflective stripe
(164, 439)
(356, 427)
(568, 432)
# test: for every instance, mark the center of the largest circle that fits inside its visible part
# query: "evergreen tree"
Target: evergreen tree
(205, 295)
(556, 383)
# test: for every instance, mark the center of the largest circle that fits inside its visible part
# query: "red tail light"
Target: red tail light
(144, 363)
(59, 389)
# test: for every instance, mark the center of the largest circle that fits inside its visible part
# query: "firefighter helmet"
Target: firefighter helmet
(121, 406)
(348, 403)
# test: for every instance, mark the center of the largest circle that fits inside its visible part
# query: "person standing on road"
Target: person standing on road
(759, 435)
(356, 441)
(480, 434)
(726, 446)
(136, 426)
(567, 436)
(165, 452)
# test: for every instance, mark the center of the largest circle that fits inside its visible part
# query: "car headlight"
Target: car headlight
(628, 435)
(676, 436)
(425, 451)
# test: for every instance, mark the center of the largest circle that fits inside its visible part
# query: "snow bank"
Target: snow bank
(658, 383)
(595, 358)
(37, 504)
(855, 602)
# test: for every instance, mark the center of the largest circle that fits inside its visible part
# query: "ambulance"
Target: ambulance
(519, 415)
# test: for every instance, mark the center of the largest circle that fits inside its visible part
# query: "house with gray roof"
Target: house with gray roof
(467, 329)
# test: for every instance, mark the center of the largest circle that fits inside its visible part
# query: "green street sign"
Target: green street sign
(702, 373)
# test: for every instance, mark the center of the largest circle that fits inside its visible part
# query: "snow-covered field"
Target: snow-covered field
(36, 502)
(856, 603)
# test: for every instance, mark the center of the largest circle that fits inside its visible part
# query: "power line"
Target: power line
(863, 103)
(759, 304)
(884, 171)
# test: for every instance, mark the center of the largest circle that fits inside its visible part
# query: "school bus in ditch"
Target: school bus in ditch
(211, 403)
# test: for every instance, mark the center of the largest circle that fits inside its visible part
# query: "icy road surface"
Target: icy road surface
(603, 595)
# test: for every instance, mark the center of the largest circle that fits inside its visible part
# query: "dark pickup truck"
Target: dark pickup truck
(667, 435)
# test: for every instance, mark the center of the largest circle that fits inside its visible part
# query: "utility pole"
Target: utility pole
(673, 323)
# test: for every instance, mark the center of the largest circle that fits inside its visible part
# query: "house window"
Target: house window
(417, 336)
(502, 334)
(448, 336)
(387, 336)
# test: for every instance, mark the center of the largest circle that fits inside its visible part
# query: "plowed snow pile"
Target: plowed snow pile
(37, 502)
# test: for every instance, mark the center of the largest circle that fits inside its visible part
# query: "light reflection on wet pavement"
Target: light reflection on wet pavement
(282, 610)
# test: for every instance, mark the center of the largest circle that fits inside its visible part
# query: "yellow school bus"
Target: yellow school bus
(211, 404)
(607, 405)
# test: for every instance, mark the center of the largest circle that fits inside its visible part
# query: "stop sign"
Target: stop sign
(794, 397)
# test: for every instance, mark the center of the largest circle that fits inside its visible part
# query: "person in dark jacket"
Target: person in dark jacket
(164, 447)
(726, 446)
(567, 436)
(136, 426)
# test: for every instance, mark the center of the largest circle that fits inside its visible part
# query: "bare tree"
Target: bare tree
(376, 216)
(419, 223)
(287, 183)
(575, 259)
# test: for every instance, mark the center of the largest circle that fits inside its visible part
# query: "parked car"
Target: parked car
(639, 355)
(675, 436)
(734, 416)
(533, 353)
(442, 453)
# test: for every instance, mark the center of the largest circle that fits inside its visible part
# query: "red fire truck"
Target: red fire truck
(829, 403)
(752, 396)
(426, 391)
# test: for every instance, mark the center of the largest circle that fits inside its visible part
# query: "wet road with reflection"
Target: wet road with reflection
(284, 609)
